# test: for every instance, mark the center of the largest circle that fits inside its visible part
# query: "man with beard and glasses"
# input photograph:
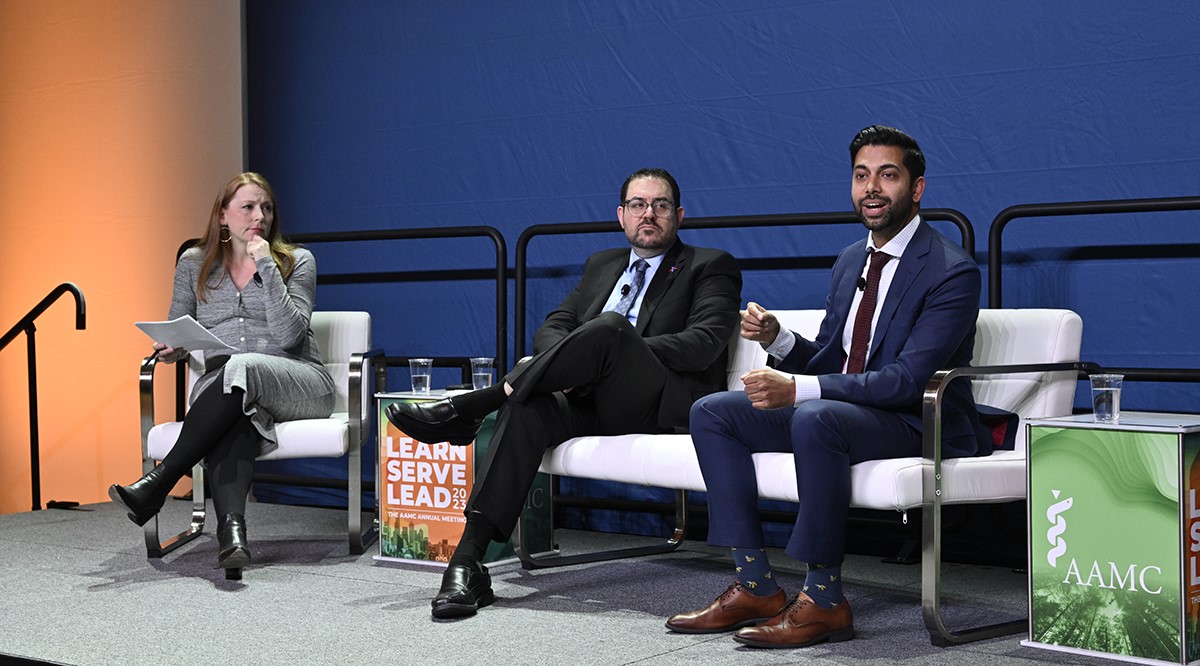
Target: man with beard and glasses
(851, 395)
(638, 340)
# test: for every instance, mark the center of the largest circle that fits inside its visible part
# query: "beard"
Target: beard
(898, 213)
(662, 239)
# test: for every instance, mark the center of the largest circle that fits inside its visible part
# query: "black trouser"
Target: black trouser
(616, 385)
(217, 431)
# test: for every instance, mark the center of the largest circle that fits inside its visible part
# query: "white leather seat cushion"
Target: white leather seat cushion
(1003, 337)
(322, 438)
(650, 460)
(669, 461)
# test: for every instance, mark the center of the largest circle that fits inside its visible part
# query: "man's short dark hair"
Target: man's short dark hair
(882, 135)
(652, 172)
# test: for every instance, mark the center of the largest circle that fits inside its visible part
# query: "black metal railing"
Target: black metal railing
(500, 270)
(1067, 209)
(520, 272)
(27, 326)
(382, 363)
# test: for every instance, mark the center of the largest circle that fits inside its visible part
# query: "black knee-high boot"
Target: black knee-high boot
(212, 414)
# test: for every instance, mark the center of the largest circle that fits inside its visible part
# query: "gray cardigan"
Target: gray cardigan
(278, 363)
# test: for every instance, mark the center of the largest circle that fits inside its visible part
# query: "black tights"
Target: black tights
(217, 431)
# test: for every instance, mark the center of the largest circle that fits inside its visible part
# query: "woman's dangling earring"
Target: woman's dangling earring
(224, 235)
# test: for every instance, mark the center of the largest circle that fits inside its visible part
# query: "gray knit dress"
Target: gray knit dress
(278, 363)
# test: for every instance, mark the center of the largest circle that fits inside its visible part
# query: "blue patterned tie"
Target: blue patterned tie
(635, 287)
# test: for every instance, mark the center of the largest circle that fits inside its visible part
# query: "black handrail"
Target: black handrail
(996, 232)
(735, 221)
(1104, 207)
(26, 325)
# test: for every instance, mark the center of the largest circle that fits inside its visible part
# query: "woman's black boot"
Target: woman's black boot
(234, 552)
(145, 497)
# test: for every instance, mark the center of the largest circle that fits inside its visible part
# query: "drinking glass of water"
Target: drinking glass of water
(1106, 397)
(481, 372)
(420, 369)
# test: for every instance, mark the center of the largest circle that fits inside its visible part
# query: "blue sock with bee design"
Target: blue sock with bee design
(824, 585)
(754, 571)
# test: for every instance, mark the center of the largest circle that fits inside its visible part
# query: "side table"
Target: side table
(422, 491)
(1115, 536)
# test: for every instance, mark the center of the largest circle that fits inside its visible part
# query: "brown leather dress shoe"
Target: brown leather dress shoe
(801, 624)
(736, 607)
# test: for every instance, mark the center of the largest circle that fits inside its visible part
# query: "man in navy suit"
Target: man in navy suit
(853, 394)
(640, 338)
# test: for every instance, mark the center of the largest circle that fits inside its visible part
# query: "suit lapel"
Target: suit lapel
(670, 268)
(911, 265)
(609, 276)
(846, 285)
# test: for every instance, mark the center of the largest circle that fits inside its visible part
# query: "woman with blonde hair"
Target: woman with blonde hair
(255, 292)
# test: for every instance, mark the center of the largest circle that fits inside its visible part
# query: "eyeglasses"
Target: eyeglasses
(662, 207)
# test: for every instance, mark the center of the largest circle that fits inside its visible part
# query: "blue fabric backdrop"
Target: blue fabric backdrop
(390, 115)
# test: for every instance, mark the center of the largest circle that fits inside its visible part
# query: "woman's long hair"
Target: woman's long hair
(217, 255)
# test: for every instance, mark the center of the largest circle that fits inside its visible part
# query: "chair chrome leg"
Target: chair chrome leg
(360, 538)
(931, 529)
(155, 548)
(530, 561)
(931, 592)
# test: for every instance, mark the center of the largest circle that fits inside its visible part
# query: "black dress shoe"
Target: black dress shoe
(465, 589)
(145, 497)
(233, 551)
(436, 421)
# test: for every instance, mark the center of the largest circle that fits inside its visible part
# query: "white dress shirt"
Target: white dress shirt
(652, 264)
(807, 386)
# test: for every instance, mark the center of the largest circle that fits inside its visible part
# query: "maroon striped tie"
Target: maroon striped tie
(866, 312)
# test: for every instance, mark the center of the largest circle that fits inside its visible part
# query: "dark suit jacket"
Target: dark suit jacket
(687, 318)
(927, 322)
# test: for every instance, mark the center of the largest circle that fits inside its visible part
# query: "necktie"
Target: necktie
(866, 312)
(635, 287)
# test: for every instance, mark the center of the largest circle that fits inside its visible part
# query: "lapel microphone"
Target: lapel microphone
(624, 289)
(862, 282)
(258, 279)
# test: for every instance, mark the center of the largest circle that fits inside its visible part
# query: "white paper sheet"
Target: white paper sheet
(182, 333)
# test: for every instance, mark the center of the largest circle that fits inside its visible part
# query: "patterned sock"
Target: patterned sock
(478, 404)
(754, 571)
(824, 585)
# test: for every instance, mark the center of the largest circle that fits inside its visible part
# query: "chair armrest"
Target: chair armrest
(931, 412)
(354, 392)
(146, 397)
(146, 392)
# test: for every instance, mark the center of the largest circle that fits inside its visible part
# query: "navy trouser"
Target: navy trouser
(826, 436)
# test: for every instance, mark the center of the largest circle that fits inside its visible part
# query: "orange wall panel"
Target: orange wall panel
(118, 122)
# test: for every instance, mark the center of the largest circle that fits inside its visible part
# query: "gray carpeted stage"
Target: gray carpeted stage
(78, 589)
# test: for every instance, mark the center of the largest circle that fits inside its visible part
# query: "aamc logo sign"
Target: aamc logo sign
(1106, 576)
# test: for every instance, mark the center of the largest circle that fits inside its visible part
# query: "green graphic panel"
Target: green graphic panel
(1105, 541)
(537, 522)
(1191, 537)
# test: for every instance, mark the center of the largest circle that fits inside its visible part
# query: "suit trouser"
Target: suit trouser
(826, 438)
(616, 384)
